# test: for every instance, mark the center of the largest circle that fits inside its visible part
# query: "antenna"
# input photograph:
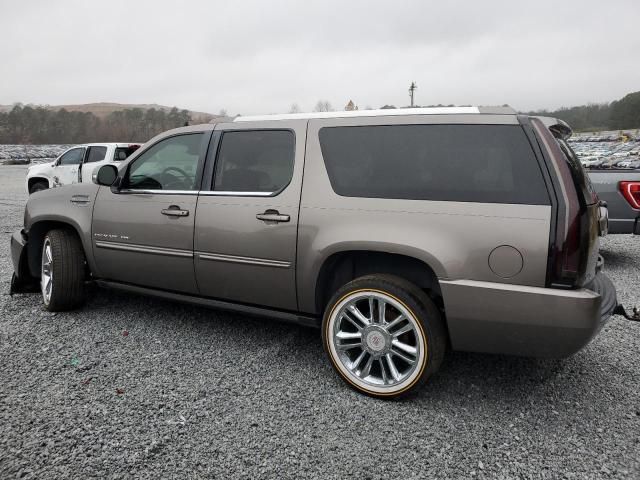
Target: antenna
(412, 90)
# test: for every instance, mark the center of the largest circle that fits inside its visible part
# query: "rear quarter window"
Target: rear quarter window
(463, 163)
(122, 153)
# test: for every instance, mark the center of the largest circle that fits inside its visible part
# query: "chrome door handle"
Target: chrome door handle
(272, 216)
(175, 211)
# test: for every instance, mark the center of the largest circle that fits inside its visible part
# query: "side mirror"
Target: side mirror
(106, 175)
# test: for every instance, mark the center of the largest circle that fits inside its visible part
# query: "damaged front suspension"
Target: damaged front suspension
(635, 317)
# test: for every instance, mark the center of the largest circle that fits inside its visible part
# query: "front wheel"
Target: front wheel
(384, 336)
(62, 271)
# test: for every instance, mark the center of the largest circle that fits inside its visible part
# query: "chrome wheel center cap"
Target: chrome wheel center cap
(376, 341)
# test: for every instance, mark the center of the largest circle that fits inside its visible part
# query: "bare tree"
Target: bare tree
(295, 108)
(222, 112)
(323, 106)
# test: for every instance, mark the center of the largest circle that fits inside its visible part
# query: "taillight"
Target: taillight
(566, 264)
(631, 192)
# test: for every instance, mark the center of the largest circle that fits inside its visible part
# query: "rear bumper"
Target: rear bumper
(530, 321)
(624, 225)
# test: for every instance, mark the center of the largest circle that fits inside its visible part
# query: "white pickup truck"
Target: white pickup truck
(76, 165)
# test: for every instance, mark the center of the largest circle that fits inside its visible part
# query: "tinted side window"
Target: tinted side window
(96, 154)
(72, 157)
(463, 163)
(254, 161)
(170, 164)
(122, 153)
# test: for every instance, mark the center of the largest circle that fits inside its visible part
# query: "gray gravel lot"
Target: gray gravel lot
(138, 387)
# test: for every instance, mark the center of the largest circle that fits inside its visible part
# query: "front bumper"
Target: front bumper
(529, 321)
(22, 280)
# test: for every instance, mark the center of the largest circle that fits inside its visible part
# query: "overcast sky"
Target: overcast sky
(261, 56)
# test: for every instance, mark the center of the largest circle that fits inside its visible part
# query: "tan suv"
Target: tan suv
(399, 232)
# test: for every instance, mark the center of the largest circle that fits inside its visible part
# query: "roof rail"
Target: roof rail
(382, 113)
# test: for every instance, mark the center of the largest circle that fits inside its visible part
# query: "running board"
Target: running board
(288, 317)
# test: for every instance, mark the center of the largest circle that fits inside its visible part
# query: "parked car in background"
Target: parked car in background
(620, 189)
(76, 165)
(593, 163)
(400, 233)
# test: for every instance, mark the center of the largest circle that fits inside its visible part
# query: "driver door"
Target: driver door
(143, 231)
(66, 170)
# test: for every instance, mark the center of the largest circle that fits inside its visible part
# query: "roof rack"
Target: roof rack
(382, 113)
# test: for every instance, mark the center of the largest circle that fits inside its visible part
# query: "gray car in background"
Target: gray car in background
(400, 233)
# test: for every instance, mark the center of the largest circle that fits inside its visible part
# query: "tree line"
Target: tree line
(623, 114)
(40, 125)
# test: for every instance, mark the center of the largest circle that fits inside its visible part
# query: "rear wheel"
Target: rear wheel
(38, 186)
(384, 336)
(62, 271)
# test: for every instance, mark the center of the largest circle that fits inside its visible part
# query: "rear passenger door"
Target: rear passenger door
(247, 215)
(94, 159)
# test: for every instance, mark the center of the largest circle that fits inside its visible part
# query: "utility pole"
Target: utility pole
(412, 90)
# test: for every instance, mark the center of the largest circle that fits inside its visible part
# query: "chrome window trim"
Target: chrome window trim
(213, 193)
(132, 247)
(158, 192)
(263, 262)
(132, 191)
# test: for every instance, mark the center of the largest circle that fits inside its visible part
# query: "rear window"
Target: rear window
(463, 163)
(123, 152)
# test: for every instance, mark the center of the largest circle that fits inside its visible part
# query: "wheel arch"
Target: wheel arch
(341, 267)
(39, 178)
(37, 232)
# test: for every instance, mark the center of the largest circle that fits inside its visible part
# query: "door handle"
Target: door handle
(175, 211)
(272, 216)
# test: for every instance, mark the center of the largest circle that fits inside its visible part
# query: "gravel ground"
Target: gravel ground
(138, 387)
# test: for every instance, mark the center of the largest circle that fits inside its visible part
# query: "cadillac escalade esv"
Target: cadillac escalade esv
(399, 232)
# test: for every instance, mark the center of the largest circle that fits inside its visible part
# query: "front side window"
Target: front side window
(170, 164)
(72, 157)
(463, 163)
(96, 154)
(254, 161)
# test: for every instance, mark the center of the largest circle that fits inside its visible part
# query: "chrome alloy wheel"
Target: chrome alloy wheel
(377, 341)
(46, 272)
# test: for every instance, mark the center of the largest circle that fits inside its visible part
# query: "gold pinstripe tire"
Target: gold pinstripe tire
(384, 336)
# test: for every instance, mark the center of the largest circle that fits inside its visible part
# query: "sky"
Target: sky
(256, 57)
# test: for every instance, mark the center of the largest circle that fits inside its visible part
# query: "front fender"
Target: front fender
(70, 205)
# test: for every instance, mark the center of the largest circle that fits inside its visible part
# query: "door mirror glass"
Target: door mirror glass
(106, 175)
